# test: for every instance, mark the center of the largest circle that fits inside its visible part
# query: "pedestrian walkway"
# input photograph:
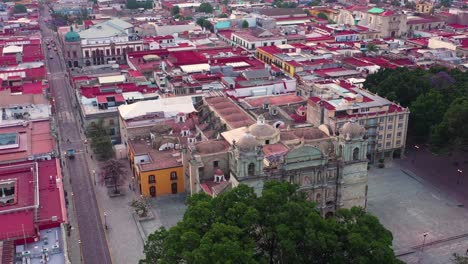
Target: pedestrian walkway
(73, 241)
(123, 238)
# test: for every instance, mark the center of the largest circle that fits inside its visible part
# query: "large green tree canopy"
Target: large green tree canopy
(205, 8)
(280, 226)
(429, 94)
(19, 8)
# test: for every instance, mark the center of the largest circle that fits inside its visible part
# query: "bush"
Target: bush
(381, 160)
(381, 165)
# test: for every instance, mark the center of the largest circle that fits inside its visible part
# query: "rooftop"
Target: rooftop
(285, 99)
(46, 196)
(169, 106)
(110, 28)
(159, 160)
(230, 112)
(34, 139)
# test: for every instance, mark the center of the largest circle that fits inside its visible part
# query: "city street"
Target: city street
(93, 244)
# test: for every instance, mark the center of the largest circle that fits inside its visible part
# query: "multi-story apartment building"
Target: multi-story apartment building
(102, 43)
(389, 23)
(386, 123)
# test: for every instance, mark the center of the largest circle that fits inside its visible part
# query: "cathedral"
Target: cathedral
(330, 168)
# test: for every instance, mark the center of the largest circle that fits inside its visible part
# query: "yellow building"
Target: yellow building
(287, 57)
(424, 8)
(157, 172)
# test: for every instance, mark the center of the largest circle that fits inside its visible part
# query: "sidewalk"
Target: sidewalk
(123, 238)
(74, 250)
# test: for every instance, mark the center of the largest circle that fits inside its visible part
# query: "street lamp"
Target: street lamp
(105, 220)
(94, 177)
(81, 249)
(459, 175)
(417, 148)
(422, 248)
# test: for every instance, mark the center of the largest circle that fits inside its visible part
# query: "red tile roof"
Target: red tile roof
(51, 200)
(275, 100)
(230, 112)
(356, 62)
(458, 26)
(94, 91)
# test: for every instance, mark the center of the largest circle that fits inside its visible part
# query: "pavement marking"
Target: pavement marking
(435, 196)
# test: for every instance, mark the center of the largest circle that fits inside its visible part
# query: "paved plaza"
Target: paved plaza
(409, 207)
(167, 211)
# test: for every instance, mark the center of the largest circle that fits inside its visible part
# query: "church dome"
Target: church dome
(262, 129)
(72, 36)
(352, 130)
(247, 143)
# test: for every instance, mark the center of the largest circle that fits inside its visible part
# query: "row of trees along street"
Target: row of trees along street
(437, 99)
(113, 172)
(280, 226)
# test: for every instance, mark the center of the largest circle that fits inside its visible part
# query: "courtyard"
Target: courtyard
(410, 207)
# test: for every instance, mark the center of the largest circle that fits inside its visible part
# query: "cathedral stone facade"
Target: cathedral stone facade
(330, 169)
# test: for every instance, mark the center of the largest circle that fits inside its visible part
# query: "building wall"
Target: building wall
(354, 186)
(253, 44)
(163, 181)
(387, 25)
(279, 87)
(105, 52)
(386, 131)
(437, 43)
(163, 30)
(424, 8)
(72, 54)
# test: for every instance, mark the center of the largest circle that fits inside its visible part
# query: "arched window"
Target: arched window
(151, 179)
(319, 177)
(340, 151)
(356, 154)
(318, 198)
(251, 169)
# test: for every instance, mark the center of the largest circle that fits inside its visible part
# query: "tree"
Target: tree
(436, 98)
(322, 16)
(427, 111)
(202, 22)
(459, 259)
(141, 206)
(205, 8)
(410, 5)
(314, 3)
(114, 174)
(101, 143)
(453, 130)
(372, 47)
(245, 24)
(281, 226)
(19, 9)
(132, 4)
(446, 3)
(223, 15)
(175, 10)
